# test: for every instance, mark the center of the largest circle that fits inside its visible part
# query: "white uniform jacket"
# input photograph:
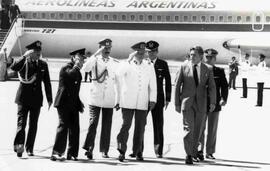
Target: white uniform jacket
(102, 94)
(138, 85)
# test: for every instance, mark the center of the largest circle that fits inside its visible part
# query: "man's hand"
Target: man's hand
(151, 105)
(166, 104)
(212, 107)
(99, 50)
(222, 102)
(178, 109)
(49, 105)
(28, 53)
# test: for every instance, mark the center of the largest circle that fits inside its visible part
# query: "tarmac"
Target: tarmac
(242, 143)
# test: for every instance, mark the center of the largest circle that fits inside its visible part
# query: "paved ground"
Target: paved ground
(243, 137)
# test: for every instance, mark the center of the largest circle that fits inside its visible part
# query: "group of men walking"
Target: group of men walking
(135, 86)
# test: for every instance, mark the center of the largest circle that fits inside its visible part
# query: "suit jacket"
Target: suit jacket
(221, 87)
(233, 68)
(162, 72)
(69, 87)
(186, 92)
(31, 94)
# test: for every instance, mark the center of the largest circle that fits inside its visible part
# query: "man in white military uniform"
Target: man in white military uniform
(245, 66)
(137, 95)
(101, 96)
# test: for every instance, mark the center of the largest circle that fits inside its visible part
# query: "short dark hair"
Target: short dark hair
(199, 49)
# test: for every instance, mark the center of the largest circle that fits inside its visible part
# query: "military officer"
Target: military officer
(260, 82)
(137, 93)
(245, 65)
(101, 96)
(32, 71)
(233, 72)
(212, 117)
(68, 104)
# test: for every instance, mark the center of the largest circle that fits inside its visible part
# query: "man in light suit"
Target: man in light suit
(137, 93)
(190, 98)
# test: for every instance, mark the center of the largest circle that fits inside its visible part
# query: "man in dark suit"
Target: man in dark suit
(31, 71)
(190, 98)
(212, 117)
(68, 104)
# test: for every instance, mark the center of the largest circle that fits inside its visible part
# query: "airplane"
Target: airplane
(233, 28)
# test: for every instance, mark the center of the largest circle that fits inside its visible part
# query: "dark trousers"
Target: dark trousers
(232, 79)
(140, 122)
(105, 137)
(86, 76)
(244, 82)
(21, 124)
(158, 121)
(260, 93)
(68, 126)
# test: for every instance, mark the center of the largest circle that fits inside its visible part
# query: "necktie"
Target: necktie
(195, 75)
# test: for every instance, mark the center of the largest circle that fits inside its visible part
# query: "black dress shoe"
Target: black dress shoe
(105, 155)
(189, 160)
(195, 159)
(19, 155)
(200, 156)
(159, 156)
(132, 155)
(30, 153)
(89, 155)
(121, 157)
(53, 157)
(70, 157)
(210, 156)
(139, 157)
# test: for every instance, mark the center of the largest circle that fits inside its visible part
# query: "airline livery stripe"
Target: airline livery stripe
(145, 26)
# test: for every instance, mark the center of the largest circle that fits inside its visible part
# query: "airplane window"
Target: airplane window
(258, 19)
(248, 19)
(132, 17)
(212, 18)
(185, 18)
(70, 16)
(150, 17)
(124, 17)
(106, 17)
(97, 17)
(229, 18)
(239, 18)
(159, 18)
(34, 15)
(141, 17)
(221, 19)
(88, 16)
(61, 16)
(203, 18)
(79, 16)
(176, 18)
(168, 18)
(43, 15)
(53, 15)
(114, 17)
(267, 19)
(194, 18)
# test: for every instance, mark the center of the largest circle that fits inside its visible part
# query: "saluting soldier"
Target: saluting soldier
(245, 66)
(101, 97)
(137, 93)
(32, 71)
(212, 117)
(68, 104)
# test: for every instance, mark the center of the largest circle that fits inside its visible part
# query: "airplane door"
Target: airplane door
(258, 21)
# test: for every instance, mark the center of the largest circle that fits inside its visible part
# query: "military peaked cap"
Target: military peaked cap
(106, 42)
(35, 45)
(210, 52)
(139, 46)
(152, 45)
(79, 51)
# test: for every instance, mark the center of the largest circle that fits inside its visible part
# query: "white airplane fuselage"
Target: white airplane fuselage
(61, 32)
